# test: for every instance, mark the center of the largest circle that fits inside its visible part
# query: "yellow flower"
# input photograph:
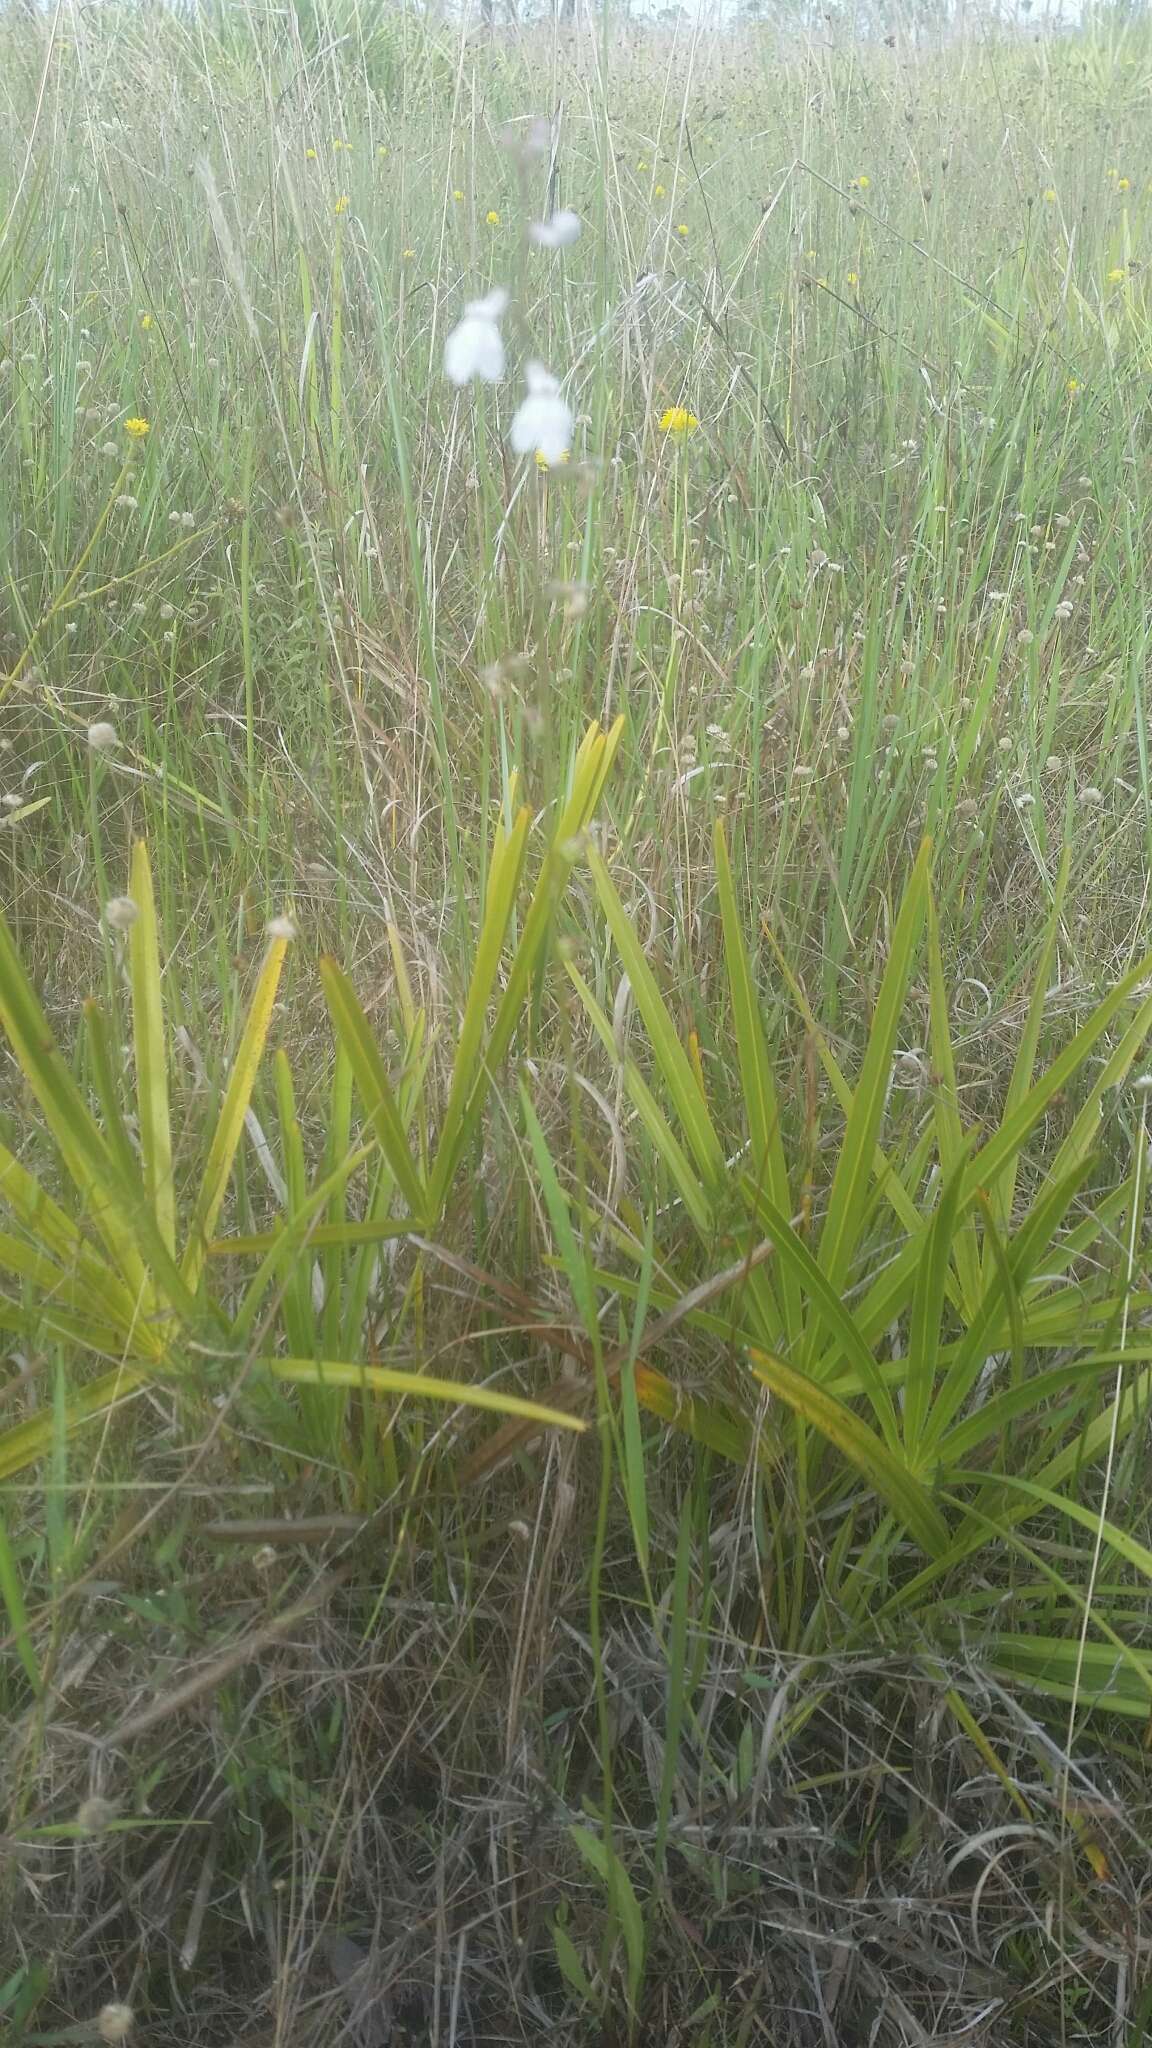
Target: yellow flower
(1113, 173)
(1072, 386)
(678, 422)
(643, 164)
(1118, 275)
(682, 229)
(457, 194)
(542, 461)
(138, 428)
(852, 279)
(492, 217)
(341, 205)
(1123, 184)
(337, 144)
(145, 321)
(809, 255)
(1050, 193)
(407, 255)
(382, 150)
(658, 192)
(311, 155)
(861, 183)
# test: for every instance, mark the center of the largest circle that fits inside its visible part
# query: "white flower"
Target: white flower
(114, 2022)
(101, 736)
(558, 233)
(542, 423)
(475, 347)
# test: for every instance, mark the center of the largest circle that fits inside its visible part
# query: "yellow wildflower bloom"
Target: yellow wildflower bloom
(1118, 275)
(852, 279)
(678, 422)
(382, 150)
(1072, 386)
(542, 461)
(145, 321)
(137, 428)
(1050, 193)
(658, 192)
(643, 164)
(682, 229)
(457, 195)
(311, 155)
(341, 205)
(861, 183)
(407, 255)
(337, 144)
(1123, 184)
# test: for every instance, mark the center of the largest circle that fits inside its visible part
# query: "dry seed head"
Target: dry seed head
(114, 2022)
(101, 736)
(95, 1814)
(120, 913)
(281, 928)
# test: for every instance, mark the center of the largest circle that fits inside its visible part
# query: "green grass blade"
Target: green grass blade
(233, 1110)
(152, 1108)
(949, 1129)
(381, 1379)
(503, 886)
(928, 1301)
(845, 1341)
(662, 1137)
(82, 1148)
(1001, 1189)
(670, 1056)
(380, 1104)
(847, 1201)
(883, 1468)
(761, 1103)
(15, 1607)
(29, 1441)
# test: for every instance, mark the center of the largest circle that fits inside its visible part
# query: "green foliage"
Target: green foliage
(908, 1328)
(823, 1178)
(106, 1271)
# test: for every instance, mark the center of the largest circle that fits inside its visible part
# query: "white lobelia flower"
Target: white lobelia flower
(542, 423)
(558, 233)
(475, 347)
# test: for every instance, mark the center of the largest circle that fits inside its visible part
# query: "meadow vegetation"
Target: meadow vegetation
(575, 985)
